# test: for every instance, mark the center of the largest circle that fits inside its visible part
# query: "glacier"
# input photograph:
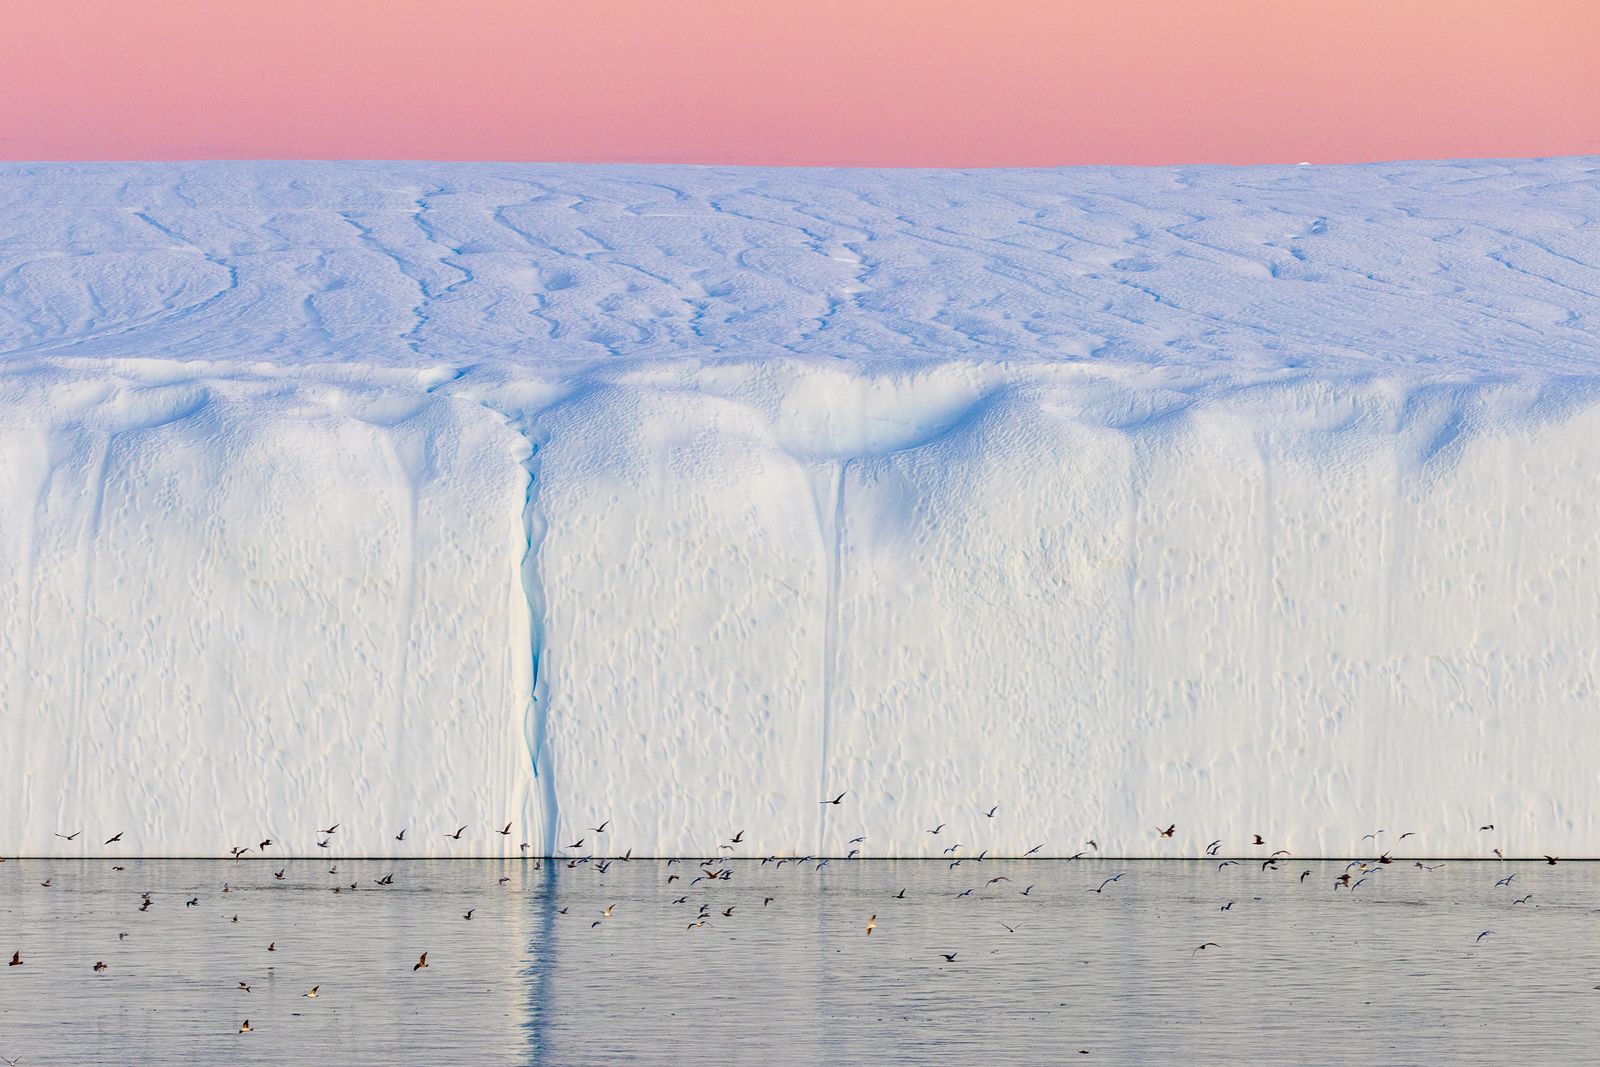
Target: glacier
(1258, 500)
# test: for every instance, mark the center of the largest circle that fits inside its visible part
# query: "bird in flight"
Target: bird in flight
(1009, 929)
(1168, 831)
(100, 966)
(1523, 900)
(872, 924)
(16, 960)
(422, 961)
(1107, 882)
(1481, 936)
(838, 798)
(457, 835)
(506, 832)
(69, 837)
(1032, 850)
(312, 992)
(1506, 880)
(576, 844)
(115, 838)
(601, 828)
(245, 986)
(1259, 840)
(329, 831)
(1551, 859)
(1211, 849)
(1208, 944)
(949, 957)
(990, 813)
(401, 836)
(244, 1027)
(468, 915)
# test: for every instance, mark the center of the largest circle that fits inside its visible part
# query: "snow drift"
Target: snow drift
(1253, 500)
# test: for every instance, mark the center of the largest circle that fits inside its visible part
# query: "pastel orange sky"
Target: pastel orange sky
(872, 82)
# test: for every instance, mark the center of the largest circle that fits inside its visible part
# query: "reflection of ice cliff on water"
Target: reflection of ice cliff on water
(1254, 499)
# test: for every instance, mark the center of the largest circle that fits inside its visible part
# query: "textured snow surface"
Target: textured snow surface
(1256, 500)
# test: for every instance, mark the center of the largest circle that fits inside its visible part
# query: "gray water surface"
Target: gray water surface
(1303, 972)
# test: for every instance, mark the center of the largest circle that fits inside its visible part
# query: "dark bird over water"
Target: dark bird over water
(838, 798)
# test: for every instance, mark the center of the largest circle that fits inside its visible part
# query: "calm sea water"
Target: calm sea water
(1301, 972)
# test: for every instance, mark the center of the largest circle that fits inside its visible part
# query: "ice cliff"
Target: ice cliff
(1255, 500)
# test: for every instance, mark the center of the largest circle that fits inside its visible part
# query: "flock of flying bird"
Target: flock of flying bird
(718, 869)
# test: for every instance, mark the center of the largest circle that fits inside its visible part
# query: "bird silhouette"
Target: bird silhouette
(457, 835)
(329, 831)
(1168, 831)
(506, 832)
(16, 960)
(114, 838)
(312, 992)
(422, 961)
(838, 798)
(872, 924)
(100, 967)
(1208, 944)
(1107, 882)
(69, 837)
(990, 813)
(244, 1027)
(949, 957)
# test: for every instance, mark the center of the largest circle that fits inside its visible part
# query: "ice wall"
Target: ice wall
(299, 525)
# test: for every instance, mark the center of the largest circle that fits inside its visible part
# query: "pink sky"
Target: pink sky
(875, 82)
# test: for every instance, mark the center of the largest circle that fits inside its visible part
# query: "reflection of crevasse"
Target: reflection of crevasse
(537, 715)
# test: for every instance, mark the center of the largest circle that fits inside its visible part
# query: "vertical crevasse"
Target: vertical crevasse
(536, 727)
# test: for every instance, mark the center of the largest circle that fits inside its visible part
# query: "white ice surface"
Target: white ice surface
(1257, 500)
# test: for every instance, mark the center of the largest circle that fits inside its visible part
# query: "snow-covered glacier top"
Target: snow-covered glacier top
(1460, 270)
